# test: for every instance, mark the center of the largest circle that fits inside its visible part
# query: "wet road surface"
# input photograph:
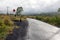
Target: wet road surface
(34, 30)
(39, 30)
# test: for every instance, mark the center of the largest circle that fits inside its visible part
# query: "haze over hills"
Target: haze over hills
(43, 14)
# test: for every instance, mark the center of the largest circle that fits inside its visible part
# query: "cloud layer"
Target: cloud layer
(30, 5)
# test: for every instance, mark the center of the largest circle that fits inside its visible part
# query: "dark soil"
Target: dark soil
(19, 33)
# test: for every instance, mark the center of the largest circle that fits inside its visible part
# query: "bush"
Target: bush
(7, 21)
(3, 29)
(6, 27)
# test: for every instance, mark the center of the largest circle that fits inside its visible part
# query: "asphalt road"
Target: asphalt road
(34, 30)
(39, 30)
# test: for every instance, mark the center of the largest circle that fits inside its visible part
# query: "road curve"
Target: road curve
(33, 29)
(39, 30)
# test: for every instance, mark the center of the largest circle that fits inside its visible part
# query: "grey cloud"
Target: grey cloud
(30, 6)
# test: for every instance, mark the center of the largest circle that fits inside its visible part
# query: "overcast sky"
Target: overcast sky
(30, 5)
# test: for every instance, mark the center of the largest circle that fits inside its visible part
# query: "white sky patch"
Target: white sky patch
(28, 5)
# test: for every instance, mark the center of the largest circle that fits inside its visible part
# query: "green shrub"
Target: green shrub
(6, 26)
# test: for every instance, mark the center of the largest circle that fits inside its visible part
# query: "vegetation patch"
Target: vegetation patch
(6, 26)
(53, 20)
